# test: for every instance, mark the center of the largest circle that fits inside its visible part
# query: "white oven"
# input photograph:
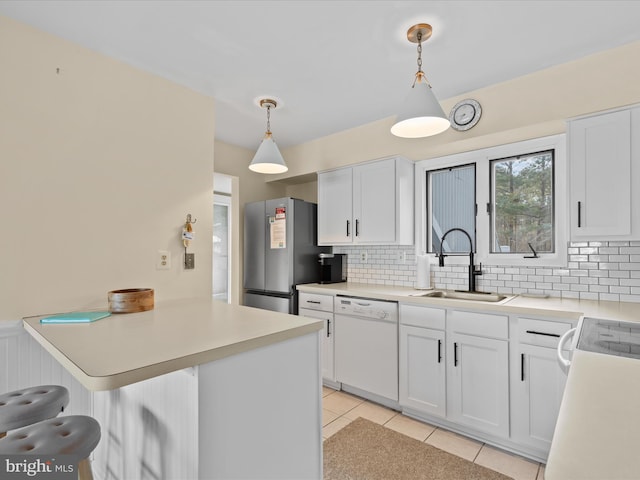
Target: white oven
(601, 335)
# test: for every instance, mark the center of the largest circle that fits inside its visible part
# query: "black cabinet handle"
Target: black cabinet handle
(357, 227)
(313, 301)
(439, 351)
(579, 214)
(328, 328)
(455, 354)
(522, 367)
(534, 332)
(348, 225)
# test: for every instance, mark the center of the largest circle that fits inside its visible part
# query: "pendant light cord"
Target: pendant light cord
(420, 74)
(268, 119)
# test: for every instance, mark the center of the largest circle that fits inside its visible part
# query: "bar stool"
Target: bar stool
(71, 435)
(24, 407)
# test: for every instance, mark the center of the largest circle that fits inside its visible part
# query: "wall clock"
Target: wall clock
(465, 114)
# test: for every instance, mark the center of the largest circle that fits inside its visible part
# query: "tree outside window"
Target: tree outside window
(523, 204)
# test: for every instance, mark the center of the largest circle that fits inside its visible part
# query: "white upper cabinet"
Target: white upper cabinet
(370, 203)
(335, 207)
(604, 171)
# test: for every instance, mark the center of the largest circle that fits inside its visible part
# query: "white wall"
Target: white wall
(99, 165)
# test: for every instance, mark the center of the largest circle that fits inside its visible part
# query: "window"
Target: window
(522, 204)
(452, 204)
(523, 186)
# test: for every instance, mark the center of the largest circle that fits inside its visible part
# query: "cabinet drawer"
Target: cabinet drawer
(545, 333)
(480, 324)
(314, 301)
(425, 317)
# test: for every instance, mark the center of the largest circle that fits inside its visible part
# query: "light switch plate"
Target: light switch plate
(189, 261)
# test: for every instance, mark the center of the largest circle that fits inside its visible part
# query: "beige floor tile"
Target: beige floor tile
(454, 443)
(507, 463)
(340, 402)
(335, 426)
(371, 411)
(410, 427)
(327, 391)
(328, 416)
(541, 473)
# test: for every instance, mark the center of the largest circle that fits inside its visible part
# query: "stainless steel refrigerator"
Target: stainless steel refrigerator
(280, 252)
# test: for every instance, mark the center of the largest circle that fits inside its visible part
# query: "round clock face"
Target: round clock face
(465, 114)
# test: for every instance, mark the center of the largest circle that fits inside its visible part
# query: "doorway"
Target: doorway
(222, 237)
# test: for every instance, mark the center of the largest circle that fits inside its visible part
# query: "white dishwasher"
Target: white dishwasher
(366, 345)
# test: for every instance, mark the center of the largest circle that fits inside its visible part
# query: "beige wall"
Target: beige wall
(527, 107)
(99, 165)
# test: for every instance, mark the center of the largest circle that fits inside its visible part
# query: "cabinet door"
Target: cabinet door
(479, 378)
(326, 346)
(374, 202)
(335, 207)
(422, 370)
(538, 390)
(600, 172)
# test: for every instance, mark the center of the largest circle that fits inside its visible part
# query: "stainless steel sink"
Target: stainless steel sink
(474, 296)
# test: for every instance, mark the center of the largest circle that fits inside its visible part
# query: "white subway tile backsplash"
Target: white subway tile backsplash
(596, 270)
(611, 297)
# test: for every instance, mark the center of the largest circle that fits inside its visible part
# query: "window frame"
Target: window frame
(482, 159)
(428, 224)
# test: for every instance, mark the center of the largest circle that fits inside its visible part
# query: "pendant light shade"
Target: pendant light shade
(421, 114)
(268, 158)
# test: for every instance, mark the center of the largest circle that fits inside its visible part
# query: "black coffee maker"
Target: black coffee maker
(333, 267)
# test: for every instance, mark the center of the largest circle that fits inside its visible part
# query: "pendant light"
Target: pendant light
(421, 115)
(268, 158)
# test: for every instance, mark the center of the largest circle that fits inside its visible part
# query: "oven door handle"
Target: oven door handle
(565, 363)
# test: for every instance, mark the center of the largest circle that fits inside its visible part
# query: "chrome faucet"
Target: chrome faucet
(473, 272)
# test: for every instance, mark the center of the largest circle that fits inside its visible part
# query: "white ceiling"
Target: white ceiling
(333, 64)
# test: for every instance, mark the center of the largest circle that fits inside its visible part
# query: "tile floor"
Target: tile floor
(340, 408)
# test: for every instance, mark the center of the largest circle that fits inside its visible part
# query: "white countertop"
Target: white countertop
(518, 304)
(126, 348)
(597, 435)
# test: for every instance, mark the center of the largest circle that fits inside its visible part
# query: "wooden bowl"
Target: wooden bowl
(130, 300)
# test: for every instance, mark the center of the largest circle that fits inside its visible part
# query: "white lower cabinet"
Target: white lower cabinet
(422, 370)
(478, 363)
(326, 342)
(537, 383)
(479, 383)
(321, 307)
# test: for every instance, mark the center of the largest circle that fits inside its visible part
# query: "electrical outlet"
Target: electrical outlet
(163, 260)
(363, 257)
(189, 261)
(402, 257)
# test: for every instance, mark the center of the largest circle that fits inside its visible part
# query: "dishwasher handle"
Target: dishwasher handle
(565, 363)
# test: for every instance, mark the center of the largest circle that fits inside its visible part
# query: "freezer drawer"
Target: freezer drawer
(283, 304)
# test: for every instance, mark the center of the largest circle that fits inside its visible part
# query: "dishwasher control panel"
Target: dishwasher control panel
(367, 308)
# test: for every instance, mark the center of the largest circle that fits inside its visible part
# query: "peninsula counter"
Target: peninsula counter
(198, 389)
